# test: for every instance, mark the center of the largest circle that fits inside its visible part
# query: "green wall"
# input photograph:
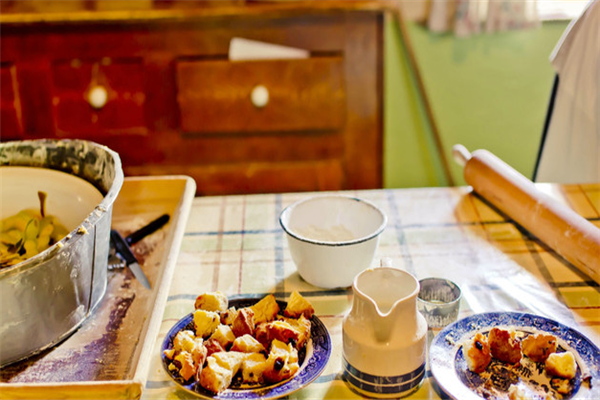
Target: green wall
(487, 91)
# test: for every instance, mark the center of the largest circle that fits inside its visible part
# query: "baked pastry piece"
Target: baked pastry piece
(539, 346)
(213, 346)
(220, 369)
(184, 340)
(562, 365)
(303, 326)
(282, 362)
(169, 353)
(199, 354)
(188, 367)
(253, 368)
(231, 360)
(188, 354)
(277, 330)
(523, 392)
(243, 322)
(214, 376)
(504, 346)
(206, 322)
(298, 305)
(228, 316)
(477, 353)
(224, 335)
(247, 344)
(211, 301)
(265, 310)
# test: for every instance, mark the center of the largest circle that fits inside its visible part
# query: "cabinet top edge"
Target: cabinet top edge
(188, 11)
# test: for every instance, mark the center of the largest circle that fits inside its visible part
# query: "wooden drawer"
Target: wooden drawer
(214, 96)
(119, 107)
(10, 105)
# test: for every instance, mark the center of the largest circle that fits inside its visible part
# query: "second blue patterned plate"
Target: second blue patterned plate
(312, 361)
(449, 367)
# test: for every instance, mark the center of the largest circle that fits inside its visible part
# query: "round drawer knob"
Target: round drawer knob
(260, 96)
(97, 97)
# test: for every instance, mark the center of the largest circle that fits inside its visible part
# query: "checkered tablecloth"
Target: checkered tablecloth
(235, 244)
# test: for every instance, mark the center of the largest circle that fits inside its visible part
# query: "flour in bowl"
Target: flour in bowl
(336, 233)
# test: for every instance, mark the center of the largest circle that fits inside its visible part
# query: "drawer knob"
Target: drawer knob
(97, 97)
(259, 96)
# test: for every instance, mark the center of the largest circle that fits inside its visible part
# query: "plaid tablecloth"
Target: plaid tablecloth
(235, 244)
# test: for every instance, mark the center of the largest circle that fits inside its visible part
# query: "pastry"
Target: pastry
(224, 335)
(539, 346)
(211, 301)
(562, 365)
(282, 362)
(247, 344)
(243, 322)
(504, 346)
(477, 353)
(215, 377)
(253, 368)
(303, 326)
(298, 305)
(206, 322)
(265, 310)
(277, 330)
(188, 367)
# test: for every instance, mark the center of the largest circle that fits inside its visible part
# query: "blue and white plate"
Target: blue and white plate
(312, 361)
(449, 368)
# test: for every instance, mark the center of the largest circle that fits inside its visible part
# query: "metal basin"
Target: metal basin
(47, 297)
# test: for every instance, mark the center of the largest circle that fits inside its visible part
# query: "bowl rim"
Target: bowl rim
(362, 239)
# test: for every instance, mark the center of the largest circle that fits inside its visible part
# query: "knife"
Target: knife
(124, 251)
(147, 229)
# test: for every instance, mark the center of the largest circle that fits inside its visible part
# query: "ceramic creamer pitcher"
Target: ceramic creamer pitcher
(384, 336)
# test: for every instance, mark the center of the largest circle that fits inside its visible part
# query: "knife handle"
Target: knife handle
(120, 244)
(147, 230)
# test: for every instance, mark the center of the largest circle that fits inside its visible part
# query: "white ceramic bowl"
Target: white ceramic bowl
(332, 238)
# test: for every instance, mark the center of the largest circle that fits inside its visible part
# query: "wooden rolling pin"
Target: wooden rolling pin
(558, 226)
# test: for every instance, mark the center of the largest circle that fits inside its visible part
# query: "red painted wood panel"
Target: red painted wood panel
(10, 105)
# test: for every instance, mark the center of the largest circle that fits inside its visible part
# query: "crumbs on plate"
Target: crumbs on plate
(504, 346)
(256, 344)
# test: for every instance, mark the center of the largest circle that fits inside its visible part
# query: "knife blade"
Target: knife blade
(132, 263)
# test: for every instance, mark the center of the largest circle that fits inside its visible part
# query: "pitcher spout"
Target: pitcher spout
(389, 301)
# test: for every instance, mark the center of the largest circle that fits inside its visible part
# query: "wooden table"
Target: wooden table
(235, 244)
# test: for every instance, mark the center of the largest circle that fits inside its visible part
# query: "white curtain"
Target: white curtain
(468, 17)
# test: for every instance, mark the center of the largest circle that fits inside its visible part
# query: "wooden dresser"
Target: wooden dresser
(152, 80)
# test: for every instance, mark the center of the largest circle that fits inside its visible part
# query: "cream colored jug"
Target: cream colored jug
(384, 336)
